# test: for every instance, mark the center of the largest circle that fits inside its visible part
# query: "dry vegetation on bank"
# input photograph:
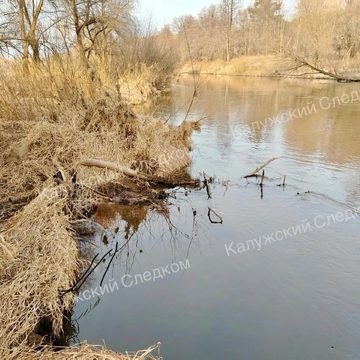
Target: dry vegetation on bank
(271, 66)
(70, 73)
(53, 116)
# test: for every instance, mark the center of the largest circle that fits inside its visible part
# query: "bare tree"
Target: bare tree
(28, 25)
(228, 9)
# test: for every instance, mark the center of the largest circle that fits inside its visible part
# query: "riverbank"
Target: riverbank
(267, 66)
(69, 137)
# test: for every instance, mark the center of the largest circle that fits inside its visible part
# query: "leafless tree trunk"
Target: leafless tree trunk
(29, 37)
(78, 29)
(230, 6)
(230, 19)
(24, 39)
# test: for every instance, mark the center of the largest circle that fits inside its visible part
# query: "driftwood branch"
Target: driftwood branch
(111, 166)
(259, 168)
(319, 70)
(103, 164)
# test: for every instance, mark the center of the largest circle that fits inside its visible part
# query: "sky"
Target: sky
(164, 11)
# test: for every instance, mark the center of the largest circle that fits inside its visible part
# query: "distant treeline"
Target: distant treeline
(319, 29)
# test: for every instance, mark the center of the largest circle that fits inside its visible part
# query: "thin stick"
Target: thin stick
(98, 192)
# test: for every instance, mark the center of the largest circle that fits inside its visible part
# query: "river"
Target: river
(279, 278)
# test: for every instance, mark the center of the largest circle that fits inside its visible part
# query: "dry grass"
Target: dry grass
(52, 116)
(41, 257)
(271, 65)
(51, 121)
(85, 352)
(259, 65)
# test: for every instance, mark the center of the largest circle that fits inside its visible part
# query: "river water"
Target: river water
(294, 293)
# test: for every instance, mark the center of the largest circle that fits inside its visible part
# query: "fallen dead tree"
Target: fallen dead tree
(318, 70)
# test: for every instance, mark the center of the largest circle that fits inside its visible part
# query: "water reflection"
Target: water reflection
(107, 214)
(321, 148)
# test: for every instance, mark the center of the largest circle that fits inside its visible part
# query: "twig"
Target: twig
(97, 192)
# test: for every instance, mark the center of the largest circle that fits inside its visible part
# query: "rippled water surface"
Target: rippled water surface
(295, 298)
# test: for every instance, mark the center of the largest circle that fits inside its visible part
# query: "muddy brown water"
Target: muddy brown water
(292, 294)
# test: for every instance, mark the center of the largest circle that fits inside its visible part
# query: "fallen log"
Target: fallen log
(159, 181)
(319, 70)
(259, 168)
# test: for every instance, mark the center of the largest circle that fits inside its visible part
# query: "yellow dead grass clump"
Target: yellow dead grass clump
(53, 116)
(41, 258)
(85, 351)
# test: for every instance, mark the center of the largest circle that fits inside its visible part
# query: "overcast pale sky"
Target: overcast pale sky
(164, 11)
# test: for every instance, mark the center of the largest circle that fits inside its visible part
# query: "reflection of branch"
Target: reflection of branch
(107, 268)
(193, 74)
(84, 277)
(206, 184)
(259, 168)
(84, 274)
(262, 184)
(212, 211)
